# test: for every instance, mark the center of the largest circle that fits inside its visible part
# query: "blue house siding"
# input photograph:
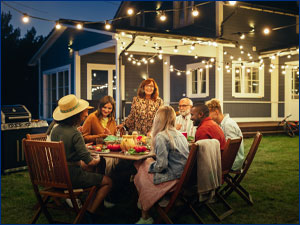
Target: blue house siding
(247, 109)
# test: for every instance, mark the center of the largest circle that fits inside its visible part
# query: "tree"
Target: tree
(19, 81)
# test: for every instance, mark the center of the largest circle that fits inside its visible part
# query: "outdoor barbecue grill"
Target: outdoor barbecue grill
(16, 122)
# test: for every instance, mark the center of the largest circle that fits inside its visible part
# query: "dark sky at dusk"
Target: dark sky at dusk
(53, 10)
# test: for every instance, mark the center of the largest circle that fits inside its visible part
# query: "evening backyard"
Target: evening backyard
(272, 180)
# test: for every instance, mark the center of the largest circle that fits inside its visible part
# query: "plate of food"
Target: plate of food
(138, 150)
(103, 151)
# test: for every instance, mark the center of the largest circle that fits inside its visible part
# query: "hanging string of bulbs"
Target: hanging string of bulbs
(162, 16)
(205, 63)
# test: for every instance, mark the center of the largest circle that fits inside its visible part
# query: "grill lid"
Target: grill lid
(14, 113)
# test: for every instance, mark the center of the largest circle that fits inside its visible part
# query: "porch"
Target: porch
(266, 128)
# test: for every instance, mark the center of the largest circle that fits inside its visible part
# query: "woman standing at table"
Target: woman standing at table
(100, 123)
(155, 178)
(69, 114)
(143, 108)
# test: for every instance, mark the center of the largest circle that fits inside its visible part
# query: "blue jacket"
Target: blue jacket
(169, 163)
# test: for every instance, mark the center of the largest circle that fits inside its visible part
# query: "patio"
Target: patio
(272, 180)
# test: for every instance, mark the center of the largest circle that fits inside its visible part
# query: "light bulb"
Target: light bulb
(232, 3)
(79, 26)
(242, 36)
(130, 11)
(107, 25)
(267, 31)
(163, 17)
(195, 12)
(175, 49)
(57, 26)
(25, 18)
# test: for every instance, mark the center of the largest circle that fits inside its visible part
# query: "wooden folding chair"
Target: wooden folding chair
(227, 160)
(50, 178)
(37, 137)
(163, 211)
(234, 183)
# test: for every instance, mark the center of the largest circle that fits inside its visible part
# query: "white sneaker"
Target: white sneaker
(69, 202)
(145, 221)
(108, 204)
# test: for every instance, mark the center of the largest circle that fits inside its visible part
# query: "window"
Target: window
(295, 84)
(247, 80)
(197, 80)
(56, 85)
(183, 13)
(101, 79)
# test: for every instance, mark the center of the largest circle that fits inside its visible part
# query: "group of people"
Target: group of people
(148, 116)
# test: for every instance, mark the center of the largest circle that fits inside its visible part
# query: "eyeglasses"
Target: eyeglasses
(149, 86)
(182, 106)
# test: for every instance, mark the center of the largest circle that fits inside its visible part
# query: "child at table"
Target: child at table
(156, 177)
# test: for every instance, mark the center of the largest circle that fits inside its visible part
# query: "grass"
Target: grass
(272, 180)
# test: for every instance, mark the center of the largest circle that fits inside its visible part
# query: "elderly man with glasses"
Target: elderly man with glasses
(183, 121)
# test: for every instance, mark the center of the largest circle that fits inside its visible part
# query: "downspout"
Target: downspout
(120, 71)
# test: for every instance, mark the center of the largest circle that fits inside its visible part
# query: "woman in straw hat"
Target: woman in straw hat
(69, 114)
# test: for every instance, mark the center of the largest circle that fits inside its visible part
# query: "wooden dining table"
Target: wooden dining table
(128, 156)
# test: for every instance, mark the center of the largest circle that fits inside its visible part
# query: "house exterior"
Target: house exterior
(203, 57)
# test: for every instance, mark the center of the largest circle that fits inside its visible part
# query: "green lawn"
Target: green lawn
(272, 180)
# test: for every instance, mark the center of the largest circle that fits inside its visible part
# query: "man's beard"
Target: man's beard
(184, 113)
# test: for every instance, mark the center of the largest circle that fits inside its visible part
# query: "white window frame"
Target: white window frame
(109, 68)
(45, 85)
(237, 64)
(196, 66)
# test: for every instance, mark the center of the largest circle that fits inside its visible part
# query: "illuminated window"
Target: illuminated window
(247, 80)
(101, 80)
(197, 80)
(295, 84)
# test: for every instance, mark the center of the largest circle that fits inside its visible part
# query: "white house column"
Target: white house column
(118, 85)
(274, 89)
(166, 80)
(77, 74)
(219, 55)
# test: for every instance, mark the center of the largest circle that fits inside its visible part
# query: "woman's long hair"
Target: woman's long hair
(164, 121)
(141, 92)
(102, 102)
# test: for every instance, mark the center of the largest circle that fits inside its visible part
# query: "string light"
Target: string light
(266, 31)
(130, 11)
(242, 36)
(79, 26)
(25, 18)
(107, 25)
(195, 12)
(57, 26)
(176, 49)
(232, 3)
(163, 16)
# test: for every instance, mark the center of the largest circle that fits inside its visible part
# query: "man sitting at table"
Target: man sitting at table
(207, 128)
(230, 128)
(183, 121)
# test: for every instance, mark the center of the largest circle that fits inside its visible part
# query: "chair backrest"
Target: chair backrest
(229, 153)
(190, 163)
(37, 137)
(47, 164)
(251, 154)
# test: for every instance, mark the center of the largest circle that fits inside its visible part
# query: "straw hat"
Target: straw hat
(68, 106)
